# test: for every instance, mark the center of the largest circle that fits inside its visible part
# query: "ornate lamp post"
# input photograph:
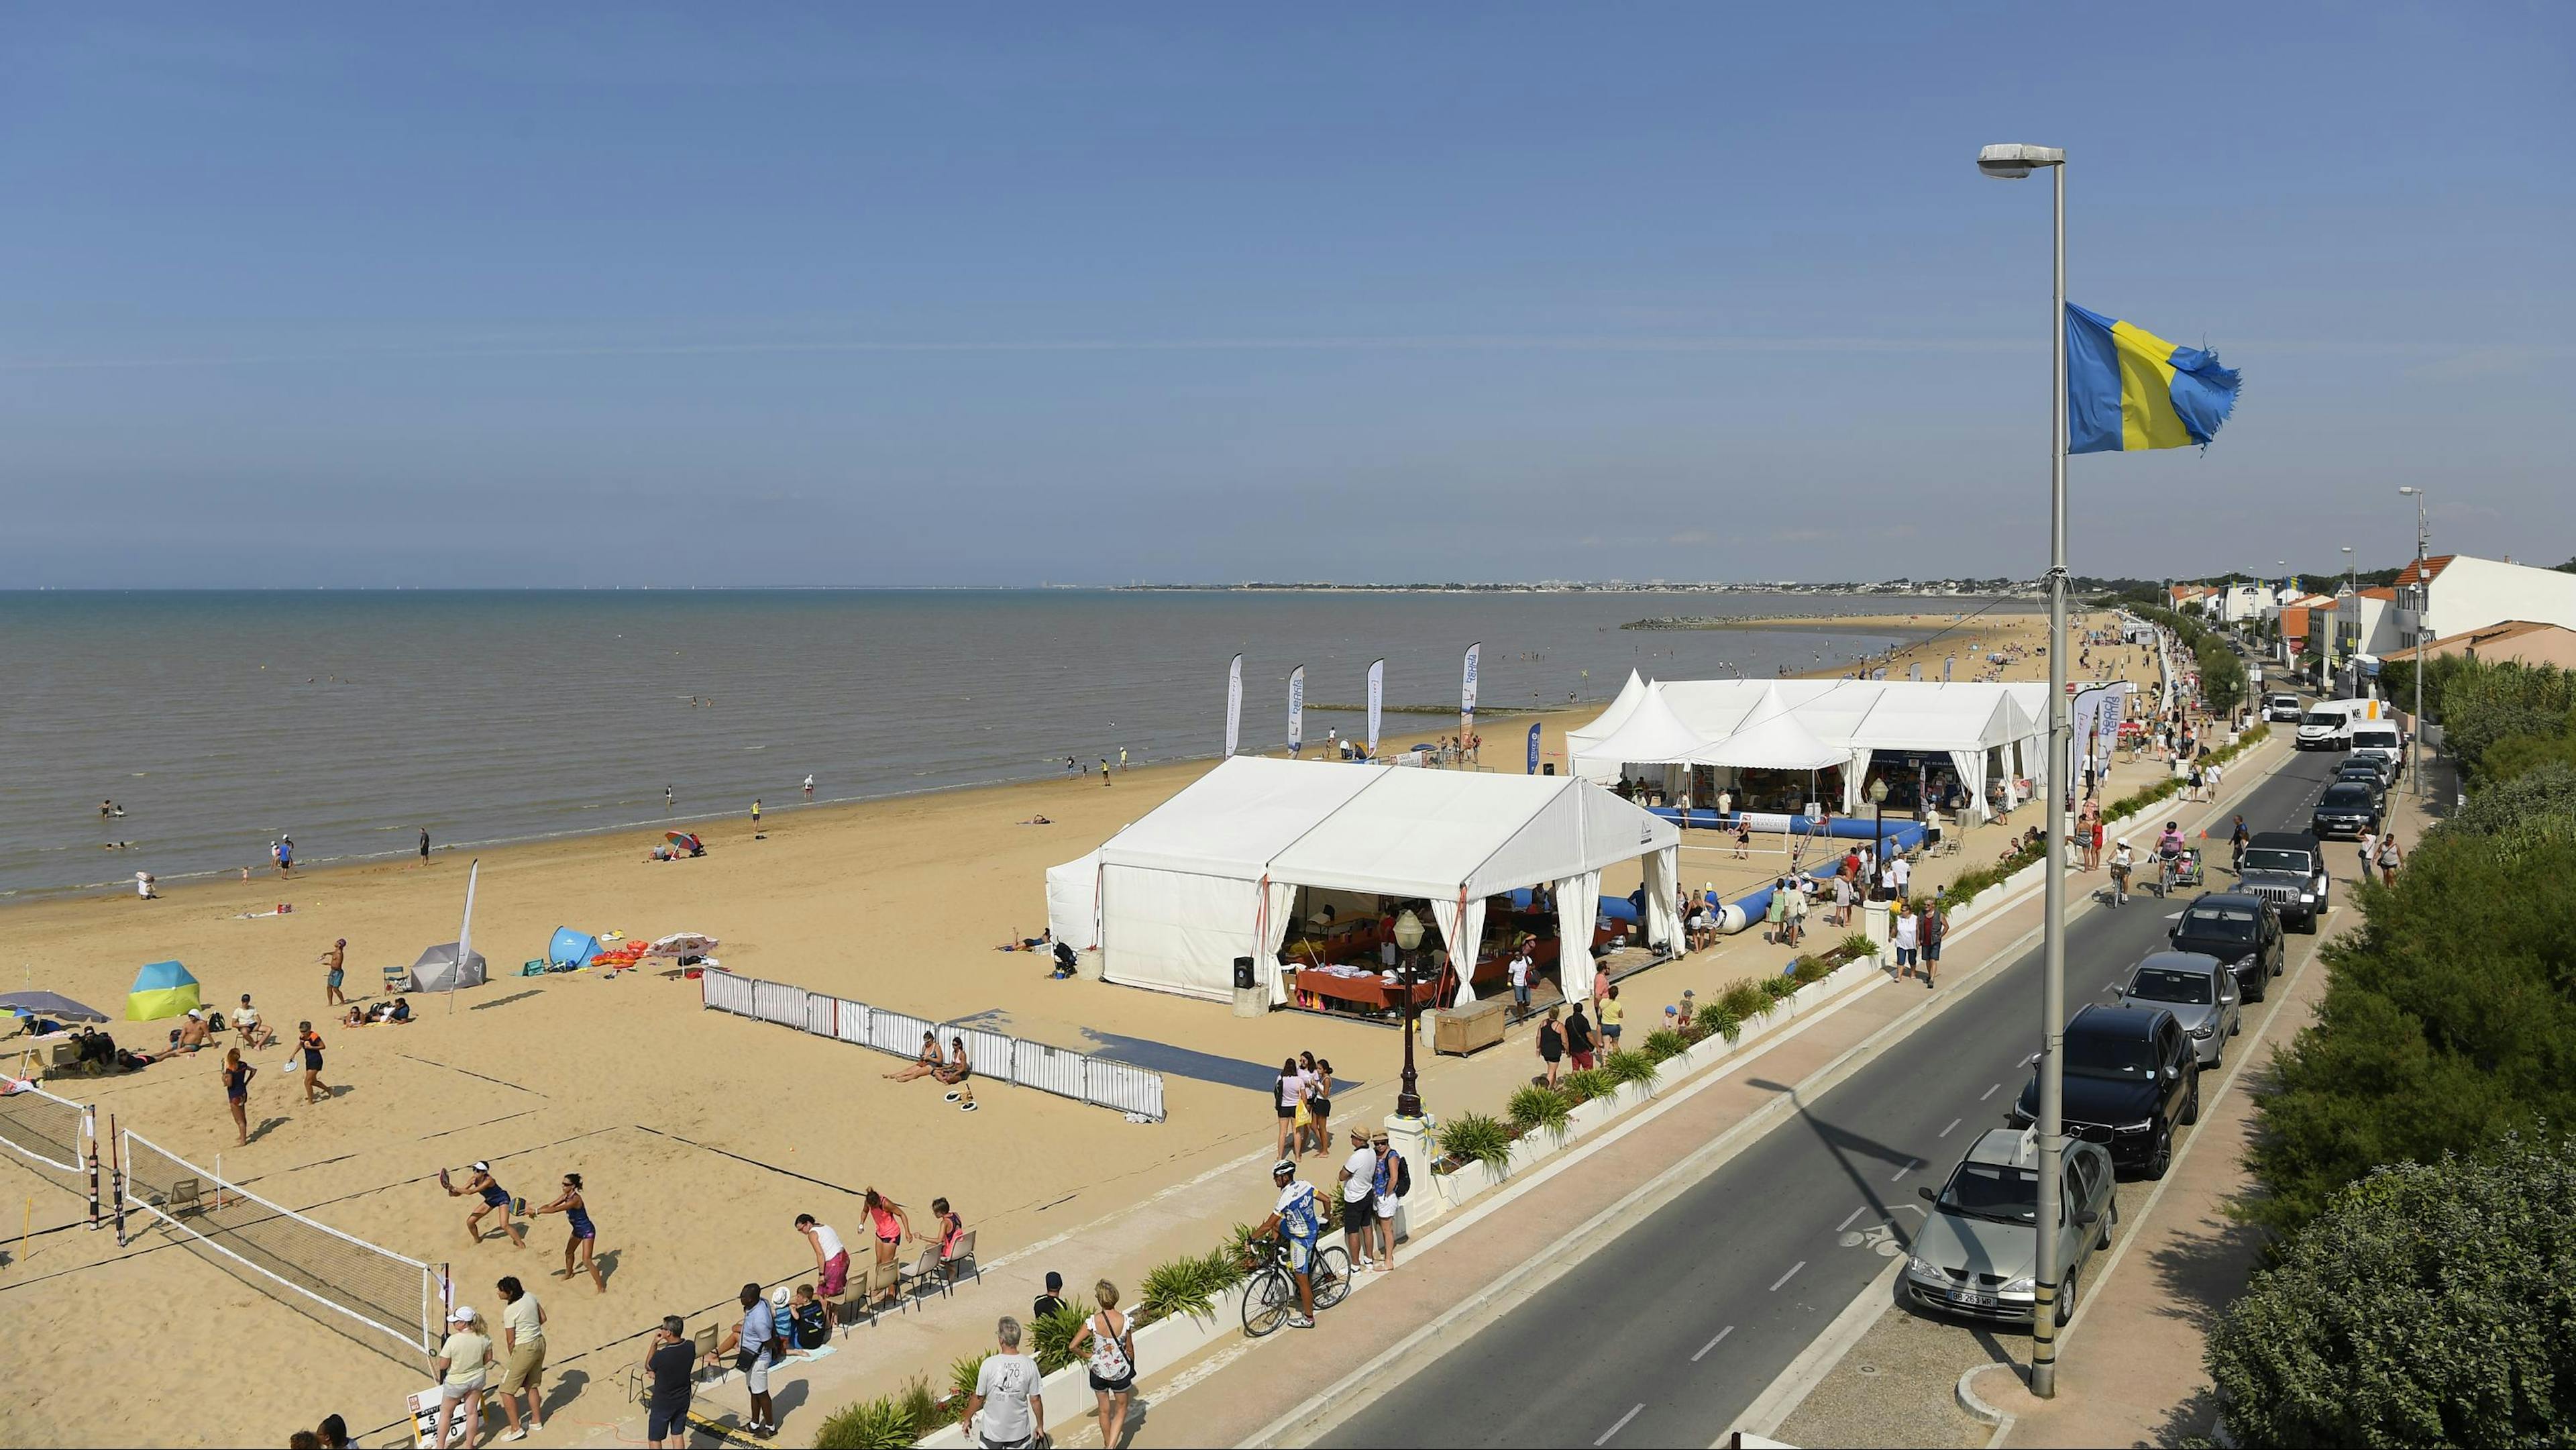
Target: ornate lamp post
(1408, 938)
(1877, 793)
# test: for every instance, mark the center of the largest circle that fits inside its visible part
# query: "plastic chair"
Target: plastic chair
(187, 1195)
(705, 1344)
(924, 1269)
(963, 1258)
(884, 1282)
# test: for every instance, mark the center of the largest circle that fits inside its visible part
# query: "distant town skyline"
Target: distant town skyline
(659, 295)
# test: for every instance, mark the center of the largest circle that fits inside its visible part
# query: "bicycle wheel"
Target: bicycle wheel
(1332, 1276)
(1267, 1298)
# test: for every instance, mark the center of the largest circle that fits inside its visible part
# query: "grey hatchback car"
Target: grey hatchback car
(2199, 990)
(1979, 1247)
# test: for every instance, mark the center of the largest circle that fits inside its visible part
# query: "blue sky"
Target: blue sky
(861, 295)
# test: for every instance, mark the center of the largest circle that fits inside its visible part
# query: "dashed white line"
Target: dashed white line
(1775, 1288)
(1901, 1172)
(1847, 1220)
(1954, 1122)
(1623, 1424)
(1712, 1344)
(1990, 1092)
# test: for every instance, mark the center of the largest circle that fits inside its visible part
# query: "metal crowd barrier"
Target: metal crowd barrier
(1121, 1087)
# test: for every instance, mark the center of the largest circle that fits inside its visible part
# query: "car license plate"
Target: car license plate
(1976, 1300)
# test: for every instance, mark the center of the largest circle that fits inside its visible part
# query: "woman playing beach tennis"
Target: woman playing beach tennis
(309, 1043)
(585, 1234)
(494, 1196)
(237, 1076)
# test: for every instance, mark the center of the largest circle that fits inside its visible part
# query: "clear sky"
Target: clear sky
(372, 295)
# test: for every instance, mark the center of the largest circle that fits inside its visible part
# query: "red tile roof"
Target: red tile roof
(2432, 568)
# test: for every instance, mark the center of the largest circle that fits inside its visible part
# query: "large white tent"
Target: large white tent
(1582, 744)
(1212, 874)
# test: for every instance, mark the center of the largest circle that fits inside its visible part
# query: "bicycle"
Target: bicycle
(1270, 1291)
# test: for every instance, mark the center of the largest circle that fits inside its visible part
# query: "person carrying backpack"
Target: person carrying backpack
(1113, 1361)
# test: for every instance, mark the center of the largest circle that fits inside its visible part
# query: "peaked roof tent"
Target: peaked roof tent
(1773, 738)
(1651, 735)
(1579, 743)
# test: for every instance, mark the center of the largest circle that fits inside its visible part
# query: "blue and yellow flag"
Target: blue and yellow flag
(2127, 388)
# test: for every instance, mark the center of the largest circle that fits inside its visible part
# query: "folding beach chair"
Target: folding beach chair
(924, 1270)
(963, 1260)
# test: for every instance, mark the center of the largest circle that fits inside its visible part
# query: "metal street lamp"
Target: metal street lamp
(2012, 162)
(1408, 937)
(2423, 551)
(1876, 790)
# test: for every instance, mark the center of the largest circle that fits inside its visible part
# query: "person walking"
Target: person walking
(1743, 837)
(831, 1259)
(1578, 1039)
(1934, 924)
(237, 1076)
(1614, 1018)
(755, 815)
(666, 800)
(332, 974)
(671, 1370)
(584, 1235)
(1551, 1046)
(1799, 904)
(2237, 839)
(309, 1042)
(1900, 868)
(1104, 772)
(424, 843)
(1775, 914)
(753, 1342)
(1112, 1352)
(1012, 1412)
(809, 787)
(1520, 975)
(2389, 859)
(1291, 1096)
(523, 1356)
(461, 1364)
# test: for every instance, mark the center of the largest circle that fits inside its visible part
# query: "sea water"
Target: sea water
(350, 720)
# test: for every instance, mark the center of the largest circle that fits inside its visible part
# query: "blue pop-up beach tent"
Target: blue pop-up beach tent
(161, 989)
(571, 948)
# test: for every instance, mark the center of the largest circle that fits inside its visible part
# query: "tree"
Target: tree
(2428, 1305)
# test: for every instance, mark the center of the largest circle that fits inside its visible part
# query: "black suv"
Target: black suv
(2239, 929)
(2131, 1078)
(2287, 869)
(2347, 808)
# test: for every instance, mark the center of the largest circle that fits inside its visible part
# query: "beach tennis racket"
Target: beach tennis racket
(445, 1182)
(289, 1064)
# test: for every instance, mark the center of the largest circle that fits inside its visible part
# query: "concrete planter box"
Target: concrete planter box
(1163, 1342)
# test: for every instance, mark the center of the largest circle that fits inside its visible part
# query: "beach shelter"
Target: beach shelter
(438, 969)
(50, 1004)
(1073, 902)
(161, 989)
(571, 947)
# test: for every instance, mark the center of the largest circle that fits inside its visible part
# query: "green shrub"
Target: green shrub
(1051, 1338)
(1225, 1267)
(1476, 1138)
(962, 1373)
(1745, 1001)
(1625, 1067)
(1810, 969)
(1583, 1084)
(915, 1404)
(1715, 1019)
(1181, 1286)
(1664, 1044)
(879, 1424)
(1775, 988)
(1858, 946)
(1534, 1107)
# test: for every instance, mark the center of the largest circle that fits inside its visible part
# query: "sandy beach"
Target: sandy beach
(699, 1136)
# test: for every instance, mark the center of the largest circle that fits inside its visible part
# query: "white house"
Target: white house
(2451, 594)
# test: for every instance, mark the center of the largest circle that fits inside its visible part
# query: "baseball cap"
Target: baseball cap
(461, 1314)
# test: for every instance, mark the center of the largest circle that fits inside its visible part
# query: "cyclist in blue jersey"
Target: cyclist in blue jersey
(1298, 1225)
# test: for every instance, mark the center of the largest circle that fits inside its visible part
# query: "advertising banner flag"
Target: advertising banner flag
(1946, 665)
(1233, 704)
(1914, 672)
(465, 931)
(1467, 691)
(1533, 750)
(1376, 703)
(1296, 710)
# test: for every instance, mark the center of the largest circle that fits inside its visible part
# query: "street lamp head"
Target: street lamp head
(2013, 161)
(2409, 490)
(1408, 930)
(1878, 790)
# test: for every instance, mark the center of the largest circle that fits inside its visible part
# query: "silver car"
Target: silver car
(2199, 990)
(1980, 1245)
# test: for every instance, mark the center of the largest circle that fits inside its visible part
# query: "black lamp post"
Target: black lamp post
(1408, 937)
(1877, 793)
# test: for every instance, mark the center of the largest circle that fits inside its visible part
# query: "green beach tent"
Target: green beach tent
(161, 989)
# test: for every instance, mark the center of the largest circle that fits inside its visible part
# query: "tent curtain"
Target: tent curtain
(1278, 899)
(1663, 920)
(1970, 765)
(1462, 930)
(1578, 901)
(1853, 780)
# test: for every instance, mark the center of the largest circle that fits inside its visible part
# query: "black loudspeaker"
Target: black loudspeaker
(1243, 973)
(1547, 768)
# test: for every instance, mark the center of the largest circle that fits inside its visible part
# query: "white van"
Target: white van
(2380, 738)
(2328, 723)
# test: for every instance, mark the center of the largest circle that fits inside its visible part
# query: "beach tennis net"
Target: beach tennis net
(52, 1131)
(371, 1293)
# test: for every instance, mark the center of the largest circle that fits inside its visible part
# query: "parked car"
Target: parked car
(2239, 929)
(1977, 1252)
(2287, 869)
(2347, 808)
(2366, 770)
(2199, 990)
(2130, 1080)
(2281, 707)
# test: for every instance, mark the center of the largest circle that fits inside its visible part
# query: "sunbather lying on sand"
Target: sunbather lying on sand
(924, 1065)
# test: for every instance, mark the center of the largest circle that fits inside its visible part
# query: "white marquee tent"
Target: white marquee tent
(1212, 874)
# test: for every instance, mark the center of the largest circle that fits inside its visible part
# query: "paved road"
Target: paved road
(1672, 1328)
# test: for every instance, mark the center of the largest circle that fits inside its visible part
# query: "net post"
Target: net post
(116, 1175)
(89, 1130)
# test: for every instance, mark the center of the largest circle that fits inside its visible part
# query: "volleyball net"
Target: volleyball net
(371, 1293)
(56, 1136)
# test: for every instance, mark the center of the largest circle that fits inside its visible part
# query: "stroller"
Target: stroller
(2180, 869)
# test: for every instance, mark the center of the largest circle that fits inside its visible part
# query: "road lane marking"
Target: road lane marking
(1901, 1172)
(1847, 1219)
(1990, 1092)
(1712, 1344)
(1623, 1424)
(1954, 1122)
(1775, 1286)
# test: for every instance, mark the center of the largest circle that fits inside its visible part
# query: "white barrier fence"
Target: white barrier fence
(1121, 1087)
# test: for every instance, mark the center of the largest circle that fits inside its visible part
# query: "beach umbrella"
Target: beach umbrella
(50, 1004)
(161, 989)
